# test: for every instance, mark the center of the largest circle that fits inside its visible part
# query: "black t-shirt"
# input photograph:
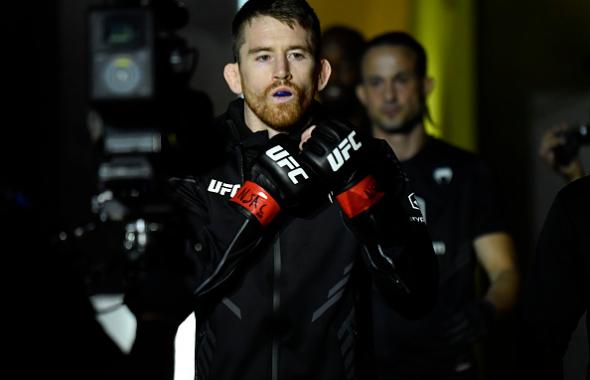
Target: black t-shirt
(455, 191)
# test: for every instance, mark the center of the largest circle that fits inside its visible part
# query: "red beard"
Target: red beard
(279, 116)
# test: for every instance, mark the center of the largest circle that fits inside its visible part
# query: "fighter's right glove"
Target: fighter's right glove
(277, 182)
(337, 153)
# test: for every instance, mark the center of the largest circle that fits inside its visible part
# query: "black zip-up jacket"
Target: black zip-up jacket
(285, 304)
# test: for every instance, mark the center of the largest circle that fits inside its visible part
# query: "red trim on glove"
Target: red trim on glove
(360, 197)
(258, 202)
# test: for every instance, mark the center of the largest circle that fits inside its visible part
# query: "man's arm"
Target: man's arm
(271, 187)
(398, 251)
(213, 249)
(495, 252)
(378, 206)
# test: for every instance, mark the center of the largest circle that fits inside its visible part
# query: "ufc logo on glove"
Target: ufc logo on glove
(279, 155)
(340, 154)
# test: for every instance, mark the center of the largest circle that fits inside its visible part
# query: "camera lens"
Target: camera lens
(575, 137)
(584, 133)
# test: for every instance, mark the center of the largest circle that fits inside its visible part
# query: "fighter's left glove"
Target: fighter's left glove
(337, 153)
(379, 208)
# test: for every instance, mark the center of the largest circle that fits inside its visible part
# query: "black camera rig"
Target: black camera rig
(138, 69)
(574, 138)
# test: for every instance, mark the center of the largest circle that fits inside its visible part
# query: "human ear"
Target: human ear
(361, 94)
(324, 74)
(231, 73)
(428, 85)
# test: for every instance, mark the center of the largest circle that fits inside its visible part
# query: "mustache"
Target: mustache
(283, 83)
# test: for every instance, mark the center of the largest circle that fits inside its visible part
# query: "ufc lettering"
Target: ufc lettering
(283, 158)
(222, 188)
(340, 154)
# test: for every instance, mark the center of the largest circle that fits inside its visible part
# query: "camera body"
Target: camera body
(583, 134)
(122, 53)
(135, 54)
(575, 137)
(139, 69)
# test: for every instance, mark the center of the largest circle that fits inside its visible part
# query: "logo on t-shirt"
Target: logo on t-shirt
(439, 247)
(443, 175)
(422, 205)
(413, 202)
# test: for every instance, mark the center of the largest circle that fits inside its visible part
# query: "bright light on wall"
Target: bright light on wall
(239, 3)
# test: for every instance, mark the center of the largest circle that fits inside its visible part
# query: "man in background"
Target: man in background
(342, 46)
(557, 293)
(456, 195)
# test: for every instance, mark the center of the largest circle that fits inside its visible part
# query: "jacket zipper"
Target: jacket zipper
(241, 163)
(276, 303)
(276, 296)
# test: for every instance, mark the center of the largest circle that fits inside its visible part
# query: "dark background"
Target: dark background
(527, 55)
(533, 71)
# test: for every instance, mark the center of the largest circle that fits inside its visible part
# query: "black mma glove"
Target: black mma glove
(379, 208)
(277, 182)
(336, 153)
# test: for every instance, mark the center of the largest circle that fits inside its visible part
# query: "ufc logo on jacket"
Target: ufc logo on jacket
(283, 158)
(340, 154)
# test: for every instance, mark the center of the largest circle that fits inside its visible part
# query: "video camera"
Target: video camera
(135, 54)
(138, 66)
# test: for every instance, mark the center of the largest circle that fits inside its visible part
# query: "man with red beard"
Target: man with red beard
(275, 277)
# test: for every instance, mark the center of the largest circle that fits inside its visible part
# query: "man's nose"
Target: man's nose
(389, 91)
(282, 70)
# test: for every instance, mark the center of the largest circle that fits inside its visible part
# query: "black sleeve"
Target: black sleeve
(487, 211)
(398, 249)
(199, 256)
(214, 249)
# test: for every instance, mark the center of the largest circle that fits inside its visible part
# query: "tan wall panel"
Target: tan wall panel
(371, 17)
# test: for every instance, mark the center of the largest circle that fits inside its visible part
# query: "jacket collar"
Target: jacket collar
(241, 133)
